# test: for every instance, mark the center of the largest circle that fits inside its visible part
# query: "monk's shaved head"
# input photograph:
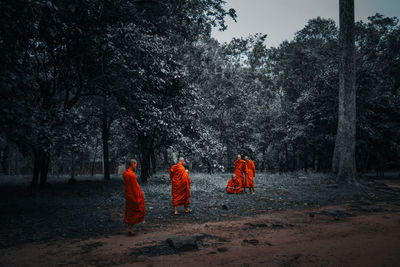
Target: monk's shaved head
(246, 158)
(234, 176)
(181, 159)
(239, 157)
(132, 162)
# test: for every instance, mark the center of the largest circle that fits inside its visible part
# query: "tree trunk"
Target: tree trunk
(343, 161)
(44, 167)
(105, 135)
(94, 156)
(314, 155)
(36, 167)
(72, 166)
(5, 160)
(146, 149)
(286, 157)
(209, 166)
(263, 159)
(166, 162)
(294, 165)
(153, 162)
(305, 157)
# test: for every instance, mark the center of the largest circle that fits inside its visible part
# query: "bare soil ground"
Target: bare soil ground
(304, 237)
(293, 219)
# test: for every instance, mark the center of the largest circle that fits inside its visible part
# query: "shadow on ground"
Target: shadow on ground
(93, 207)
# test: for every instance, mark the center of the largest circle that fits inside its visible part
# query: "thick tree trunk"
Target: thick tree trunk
(146, 150)
(343, 161)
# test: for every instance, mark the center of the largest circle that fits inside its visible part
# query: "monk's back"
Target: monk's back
(176, 172)
(180, 185)
(129, 177)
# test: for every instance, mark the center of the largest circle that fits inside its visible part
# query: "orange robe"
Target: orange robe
(235, 184)
(180, 185)
(251, 172)
(240, 170)
(134, 209)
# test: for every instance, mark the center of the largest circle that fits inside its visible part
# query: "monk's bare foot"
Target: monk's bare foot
(176, 213)
(188, 211)
(131, 232)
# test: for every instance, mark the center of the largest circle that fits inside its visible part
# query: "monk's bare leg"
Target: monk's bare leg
(176, 210)
(187, 210)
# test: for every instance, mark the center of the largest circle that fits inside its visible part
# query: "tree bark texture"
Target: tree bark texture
(146, 162)
(105, 135)
(343, 161)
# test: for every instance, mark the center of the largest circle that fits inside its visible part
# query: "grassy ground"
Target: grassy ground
(93, 207)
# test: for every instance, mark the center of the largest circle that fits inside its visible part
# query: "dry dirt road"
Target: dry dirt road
(352, 234)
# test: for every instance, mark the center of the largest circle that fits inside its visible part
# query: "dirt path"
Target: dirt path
(346, 235)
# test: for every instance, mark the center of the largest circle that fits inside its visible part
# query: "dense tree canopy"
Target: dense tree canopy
(94, 83)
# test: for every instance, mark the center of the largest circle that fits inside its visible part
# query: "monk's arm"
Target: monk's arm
(229, 185)
(137, 194)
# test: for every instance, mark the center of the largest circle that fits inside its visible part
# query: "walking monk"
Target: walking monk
(180, 186)
(233, 186)
(240, 170)
(134, 209)
(251, 173)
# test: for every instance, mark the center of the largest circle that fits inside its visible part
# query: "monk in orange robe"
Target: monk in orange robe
(180, 186)
(240, 171)
(233, 186)
(134, 209)
(251, 173)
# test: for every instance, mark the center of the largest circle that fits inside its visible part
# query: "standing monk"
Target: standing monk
(134, 209)
(251, 173)
(240, 170)
(180, 186)
(233, 186)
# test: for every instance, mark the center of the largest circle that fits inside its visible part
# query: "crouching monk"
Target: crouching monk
(134, 209)
(180, 186)
(233, 186)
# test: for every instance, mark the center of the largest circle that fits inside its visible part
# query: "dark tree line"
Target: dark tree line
(72, 67)
(280, 105)
(85, 85)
